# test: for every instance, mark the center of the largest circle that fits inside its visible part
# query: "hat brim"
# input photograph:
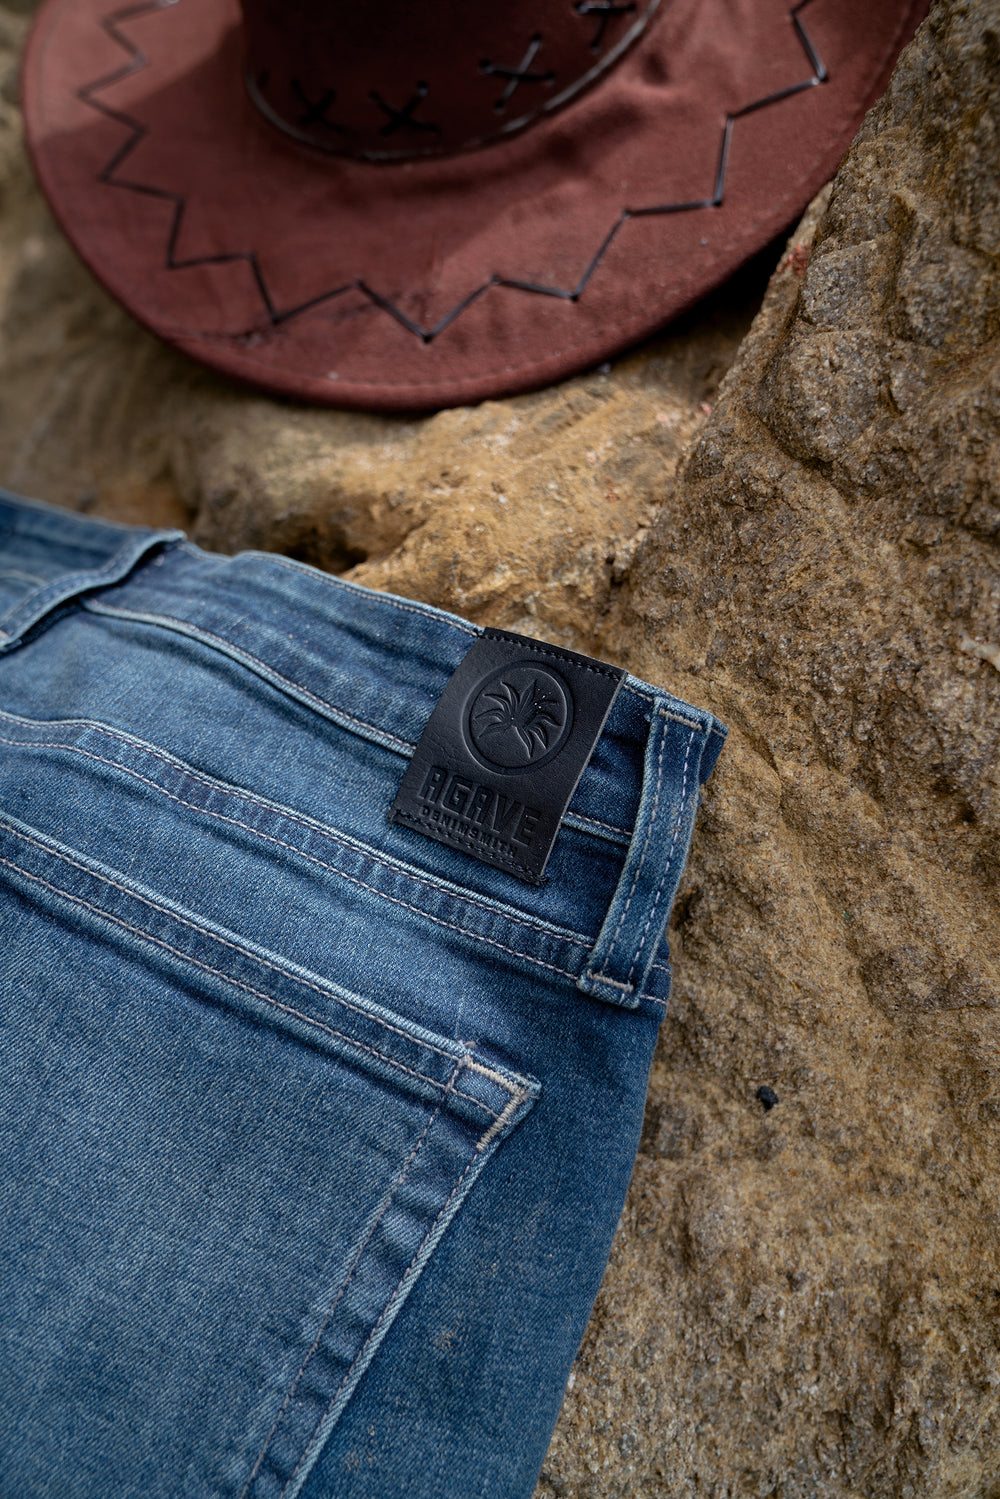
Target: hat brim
(409, 286)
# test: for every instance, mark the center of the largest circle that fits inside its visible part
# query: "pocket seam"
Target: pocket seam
(310, 825)
(203, 931)
(559, 934)
(341, 1293)
(318, 1436)
(516, 1088)
(260, 994)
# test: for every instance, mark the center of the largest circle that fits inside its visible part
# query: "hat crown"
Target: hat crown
(389, 80)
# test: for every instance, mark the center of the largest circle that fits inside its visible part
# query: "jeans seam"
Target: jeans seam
(247, 988)
(93, 579)
(342, 1292)
(501, 1120)
(381, 1318)
(609, 826)
(287, 813)
(666, 863)
(98, 606)
(679, 718)
(224, 942)
(601, 974)
(321, 863)
(244, 952)
(615, 983)
(169, 621)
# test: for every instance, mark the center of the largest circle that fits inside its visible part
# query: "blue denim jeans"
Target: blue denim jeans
(314, 1133)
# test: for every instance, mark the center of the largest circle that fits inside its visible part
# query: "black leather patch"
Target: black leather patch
(503, 751)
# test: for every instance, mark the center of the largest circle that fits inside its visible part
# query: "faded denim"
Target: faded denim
(314, 1133)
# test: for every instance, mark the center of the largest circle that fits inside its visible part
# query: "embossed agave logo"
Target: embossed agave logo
(528, 715)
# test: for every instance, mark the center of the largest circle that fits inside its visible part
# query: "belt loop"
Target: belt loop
(619, 964)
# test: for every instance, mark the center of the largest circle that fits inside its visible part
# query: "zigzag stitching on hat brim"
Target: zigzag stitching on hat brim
(137, 60)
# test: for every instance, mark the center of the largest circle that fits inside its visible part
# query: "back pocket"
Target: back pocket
(221, 1177)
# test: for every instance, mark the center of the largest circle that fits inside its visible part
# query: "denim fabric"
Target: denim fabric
(314, 1133)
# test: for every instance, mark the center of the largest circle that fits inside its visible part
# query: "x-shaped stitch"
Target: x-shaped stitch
(404, 116)
(604, 10)
(518, 75)
(137, 132)
(316, 109)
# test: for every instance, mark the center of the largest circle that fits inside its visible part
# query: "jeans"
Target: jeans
(314, 1132)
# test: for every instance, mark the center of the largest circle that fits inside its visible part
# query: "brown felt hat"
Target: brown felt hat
(399, 204)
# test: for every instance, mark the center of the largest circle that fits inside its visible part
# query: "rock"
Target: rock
(804, 1298)
(805, 1301)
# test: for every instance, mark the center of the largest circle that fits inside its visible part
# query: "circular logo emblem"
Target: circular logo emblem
(520, 717)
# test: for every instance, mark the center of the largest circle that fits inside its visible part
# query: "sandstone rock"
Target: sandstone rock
(804, 1299)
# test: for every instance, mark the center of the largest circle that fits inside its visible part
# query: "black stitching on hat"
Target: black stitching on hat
(403, 118)
(516, 76)
(137, 132)
(315, 110)
(605, 11)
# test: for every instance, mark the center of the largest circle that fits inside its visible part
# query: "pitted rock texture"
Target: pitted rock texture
(805, 1300)
(804, 1297)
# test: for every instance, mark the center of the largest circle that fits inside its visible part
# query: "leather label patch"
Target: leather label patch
(503, 750)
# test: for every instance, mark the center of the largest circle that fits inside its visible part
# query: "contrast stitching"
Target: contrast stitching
(252, 957)
(666, 862)
(609, 826)
(289, 815)
(615, 983)
(604, 11)
(395, 900)
(267, 671)
(276, 316)
(486, 1072)
(457, 1093)
(497, 1127)
(679, 718)
(515, 75)
(100, 607)
(126, 890)
(402, 116)
(219, 973)
(71, 583)
(382, 1316)
(343, 1289)
(642, 693)
(638, 868)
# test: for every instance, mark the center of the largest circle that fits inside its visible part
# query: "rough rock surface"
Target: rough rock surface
(804, 1299)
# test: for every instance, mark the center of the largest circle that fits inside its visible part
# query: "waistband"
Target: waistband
(376, 665)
